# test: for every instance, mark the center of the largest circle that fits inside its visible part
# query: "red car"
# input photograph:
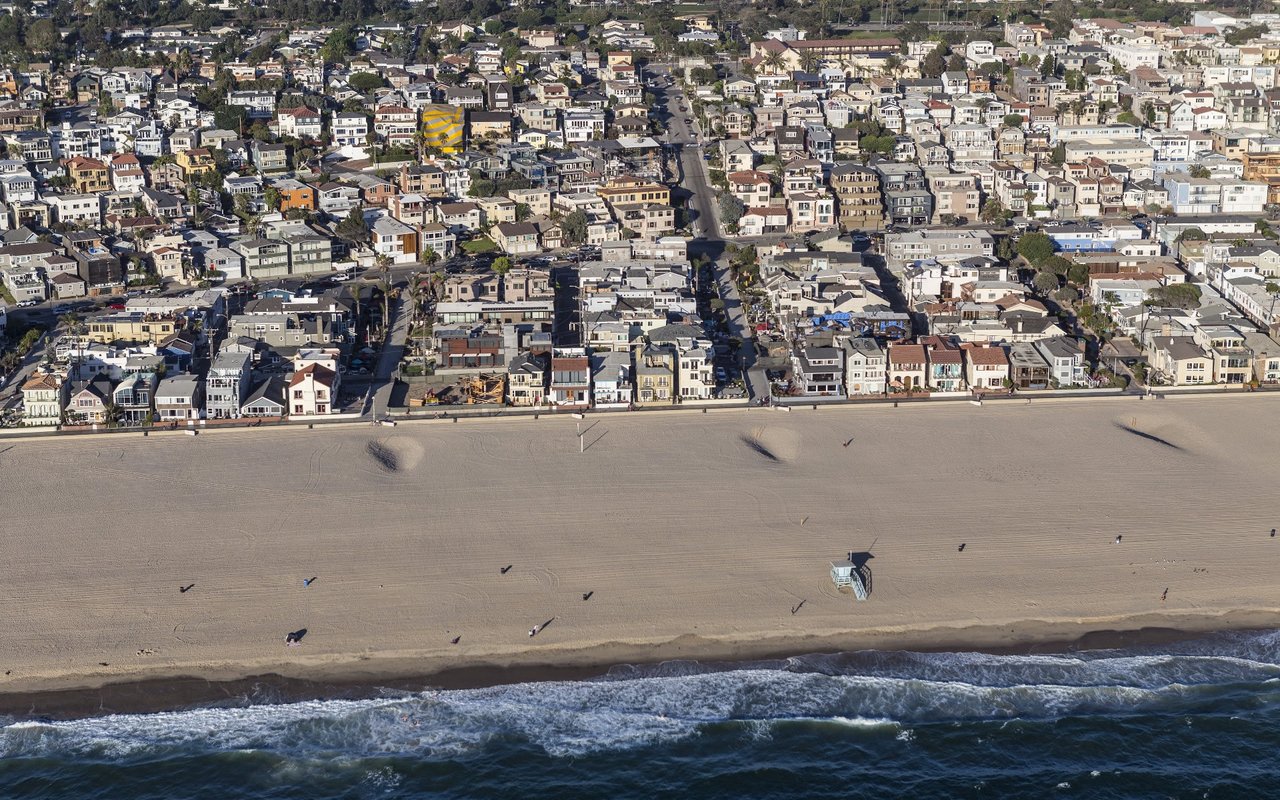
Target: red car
(116, 306)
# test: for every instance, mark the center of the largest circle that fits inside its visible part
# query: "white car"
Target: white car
(28, 303)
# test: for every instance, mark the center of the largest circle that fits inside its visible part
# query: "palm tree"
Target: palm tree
(434, 283)
(70, 322)
(383, 263)
(809, 61)
(773, 61)
(430, 257)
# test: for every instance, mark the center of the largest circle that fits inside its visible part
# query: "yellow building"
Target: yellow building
(196, 161)
(134, 327)
(627, 190)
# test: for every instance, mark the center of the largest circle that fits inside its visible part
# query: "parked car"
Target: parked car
(28, 303)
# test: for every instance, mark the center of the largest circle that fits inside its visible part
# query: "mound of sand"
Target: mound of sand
(775, 445)
(395, 453)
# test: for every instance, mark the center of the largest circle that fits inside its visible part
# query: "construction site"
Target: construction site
(485, 388)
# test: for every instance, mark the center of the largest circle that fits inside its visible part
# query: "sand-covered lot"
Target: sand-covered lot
(697, 533)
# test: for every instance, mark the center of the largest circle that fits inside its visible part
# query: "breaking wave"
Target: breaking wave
(873, 694)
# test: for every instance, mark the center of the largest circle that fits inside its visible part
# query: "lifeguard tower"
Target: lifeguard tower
(845, 575)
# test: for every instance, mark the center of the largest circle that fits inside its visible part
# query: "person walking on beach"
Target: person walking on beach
(533, 631)
(1118, 538)
(1164, 596)
(961, 548)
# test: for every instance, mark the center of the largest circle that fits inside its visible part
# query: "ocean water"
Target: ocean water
(1196, 719)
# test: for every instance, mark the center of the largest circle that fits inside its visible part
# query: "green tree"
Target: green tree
(1013, 120)
(1035, 248)
(1046, 282)
(1199, 171)
(338, 45)
(42, 36)
(1245, 34)
(1176, 295)
(1056, 264)
(877, 144)
(992, 210)
(502, 265)
(731, 209)
(365, 81)
(1067, 294)
(1078, 274)
(574, 227)
(353, 228)
(229, 117)
(1058, 155)
(935, 63)
(272, 195)
(1191, 235)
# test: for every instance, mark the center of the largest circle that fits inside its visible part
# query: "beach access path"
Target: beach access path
(696, 533)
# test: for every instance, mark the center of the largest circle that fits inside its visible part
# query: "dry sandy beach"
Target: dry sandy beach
(697, 533)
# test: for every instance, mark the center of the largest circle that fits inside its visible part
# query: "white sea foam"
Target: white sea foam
(864, 722)
(870, 691)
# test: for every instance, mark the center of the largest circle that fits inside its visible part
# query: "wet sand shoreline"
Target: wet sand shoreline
(179, 692)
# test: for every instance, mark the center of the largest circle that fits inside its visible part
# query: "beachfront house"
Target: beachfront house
(818, 370)
(864, 366)
(946, 367)
(227, 384)
(986, 367)
(1027, 368)
(1179, 361)
(43, 398)
(180, 398)
(907, 367)
(1066, 360)
(570, 378)
(267, 399)
(88, 400)
(311, 390)
(527, 380)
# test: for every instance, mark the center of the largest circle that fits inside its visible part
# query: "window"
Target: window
(297, 409)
